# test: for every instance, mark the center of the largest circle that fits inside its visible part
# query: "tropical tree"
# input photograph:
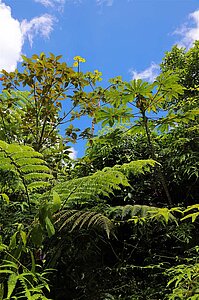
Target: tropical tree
(183, 63)
(54, 96)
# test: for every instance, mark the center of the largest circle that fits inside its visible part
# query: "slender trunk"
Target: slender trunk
(93, 124)
(153, 156)
(93, 127)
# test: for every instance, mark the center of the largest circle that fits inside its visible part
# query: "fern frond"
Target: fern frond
(68, 215)
(84, 219)
(25, 284)
(102, 183)
(26, 164)
(136, 167)
(19, 98)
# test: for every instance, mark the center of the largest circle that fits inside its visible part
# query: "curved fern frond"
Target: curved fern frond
(102, 183)
(84, 219)
(136, 167)
(26, 164)
(90, 188)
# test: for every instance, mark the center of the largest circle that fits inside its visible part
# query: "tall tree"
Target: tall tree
(39, 112)
(185, 64)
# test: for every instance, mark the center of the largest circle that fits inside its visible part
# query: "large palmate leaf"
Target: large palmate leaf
(111, 115)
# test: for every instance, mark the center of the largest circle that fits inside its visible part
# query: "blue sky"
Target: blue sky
(117, 37)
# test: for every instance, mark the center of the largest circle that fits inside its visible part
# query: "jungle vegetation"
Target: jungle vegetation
(122, 221)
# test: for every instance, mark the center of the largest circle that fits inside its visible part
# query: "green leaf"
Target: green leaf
(163, 214)
(6, 272)
(12, 281)
(56, 202)
(33, 262)
(37, 235)
(49, 227)
(192, 216)
(13, 242)
(138, 88)
(2, 246)
(23, 237)
(5, 197)
(110, 115)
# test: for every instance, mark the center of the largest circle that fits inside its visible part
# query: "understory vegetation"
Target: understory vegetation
(122, 221)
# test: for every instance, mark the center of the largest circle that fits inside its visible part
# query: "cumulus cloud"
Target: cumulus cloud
(42, 26)
(189, 33)
(57, 4)
(11, 39)
(148, 74)
(106, 2)
(13, 35)
(73, 153)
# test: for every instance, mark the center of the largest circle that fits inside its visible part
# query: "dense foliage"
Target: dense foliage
(119, 223)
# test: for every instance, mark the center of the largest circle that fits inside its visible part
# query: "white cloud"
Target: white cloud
(57, 4)
(11, 40)
(106, 2)
(73, 153)
(189, 33)
(13, 35)
(42, 25)
(148, 74)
